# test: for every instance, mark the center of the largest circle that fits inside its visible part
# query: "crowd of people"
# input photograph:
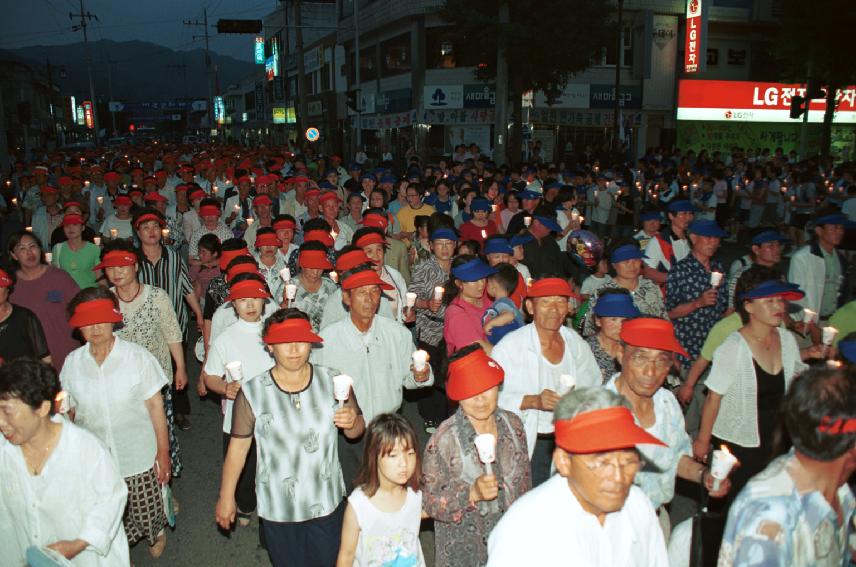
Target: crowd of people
(571, 336)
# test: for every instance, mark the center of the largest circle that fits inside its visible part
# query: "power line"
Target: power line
(84, 17)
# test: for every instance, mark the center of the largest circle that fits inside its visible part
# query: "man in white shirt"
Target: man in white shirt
(375, 351)
(590, 513)
(541, 361)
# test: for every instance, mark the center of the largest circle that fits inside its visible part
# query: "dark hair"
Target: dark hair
(421, 220)
(369, 230)
(146, 211)
(509, 195)
(464, 351)
(506, 276)
(814, 404)
(241, 260)
(120, 244)
(440, 220)
(382, 193)
(91, 294)
(29, 380)
(749, 280)
(211, 243)
(822, 212)
(282, 217)
(678, 200)
(317, 223)
(313, 245)
(14, 239)
(281, 315)
(384, 431)
(210, 201)
(231, 244)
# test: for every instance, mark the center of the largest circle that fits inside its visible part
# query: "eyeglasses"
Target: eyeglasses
(606, 466)
(640, 360)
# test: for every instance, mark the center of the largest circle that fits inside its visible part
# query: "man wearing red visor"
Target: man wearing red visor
(590, 513)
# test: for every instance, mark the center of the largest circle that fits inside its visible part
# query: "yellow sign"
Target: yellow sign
(278, 115)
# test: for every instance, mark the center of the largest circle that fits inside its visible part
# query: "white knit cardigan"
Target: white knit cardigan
(733, 377)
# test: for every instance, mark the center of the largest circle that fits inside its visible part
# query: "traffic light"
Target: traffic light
(798, 106)
(483, 72)
(239, 26)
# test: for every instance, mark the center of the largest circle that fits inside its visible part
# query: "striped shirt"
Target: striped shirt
(170, 274)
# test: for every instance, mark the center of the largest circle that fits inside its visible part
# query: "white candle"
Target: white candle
(237, 207)
(250, 221)
(285, 274)
(715, 279)
(48, 257)
(114, 233)
(486, 447)
(438, 293)
(527, 220)
(97, 240)
(165, 232)
(484, 233)
(334, 276)
(29, 229)
(723, 462)
(14, 201)
(420, 359)
(829, 335)
(100, 200)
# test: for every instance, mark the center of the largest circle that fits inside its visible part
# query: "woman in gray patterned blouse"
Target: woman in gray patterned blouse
(466, 497)
(626, 260)
(313, 289)
(291, 411)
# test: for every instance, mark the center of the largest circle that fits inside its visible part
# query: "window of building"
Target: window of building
(395, 55)
(608, 54)
(368, 64)
(444, 49)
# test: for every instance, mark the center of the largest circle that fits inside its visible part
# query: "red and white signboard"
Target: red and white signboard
(694, 51)
(87, 114)
(746, 101)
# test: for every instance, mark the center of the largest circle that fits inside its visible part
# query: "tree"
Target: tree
(817, 35)
(546, 42)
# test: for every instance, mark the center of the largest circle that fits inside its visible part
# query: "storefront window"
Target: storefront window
(608, 57)
(395, 55)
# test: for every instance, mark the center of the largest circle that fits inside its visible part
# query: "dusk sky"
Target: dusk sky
(46, 22)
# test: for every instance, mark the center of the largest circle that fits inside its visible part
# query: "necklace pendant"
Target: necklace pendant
(295, 400)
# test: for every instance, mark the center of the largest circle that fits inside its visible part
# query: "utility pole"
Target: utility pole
(183, 68)
(616, 112)
(301, 68)
(204, 25)
(804, 125)
(50, 102)
(110, 90)
(84, 16)
(359, 133)
(500, 127)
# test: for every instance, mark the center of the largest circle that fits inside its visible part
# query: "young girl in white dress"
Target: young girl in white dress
(381, 526)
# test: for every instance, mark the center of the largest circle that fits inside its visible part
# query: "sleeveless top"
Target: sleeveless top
(388, 538)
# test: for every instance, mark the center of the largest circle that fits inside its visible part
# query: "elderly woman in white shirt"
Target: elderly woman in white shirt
(114, 390)
(751, 372)
(61, 489)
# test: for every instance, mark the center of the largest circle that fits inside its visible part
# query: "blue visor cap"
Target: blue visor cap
(387, 179)
(768, 236)
(498, 246)
(549, 224)
(330, 172)
(848, 350)
(527, 194)
(368, 177)
(472, 271)
(444, 234)
(325, 185)
(627, 252)
(521, 239)
(553, 185)
(480, 204)
(704, 227)
(354, 167)
(616, 305)
(650, 215)
(835, 218)
(681, 206)
(774, 288)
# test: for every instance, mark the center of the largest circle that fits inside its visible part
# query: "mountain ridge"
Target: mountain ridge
(141, 71)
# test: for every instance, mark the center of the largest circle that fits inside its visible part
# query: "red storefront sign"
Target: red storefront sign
(747, 101)
(695, 29)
